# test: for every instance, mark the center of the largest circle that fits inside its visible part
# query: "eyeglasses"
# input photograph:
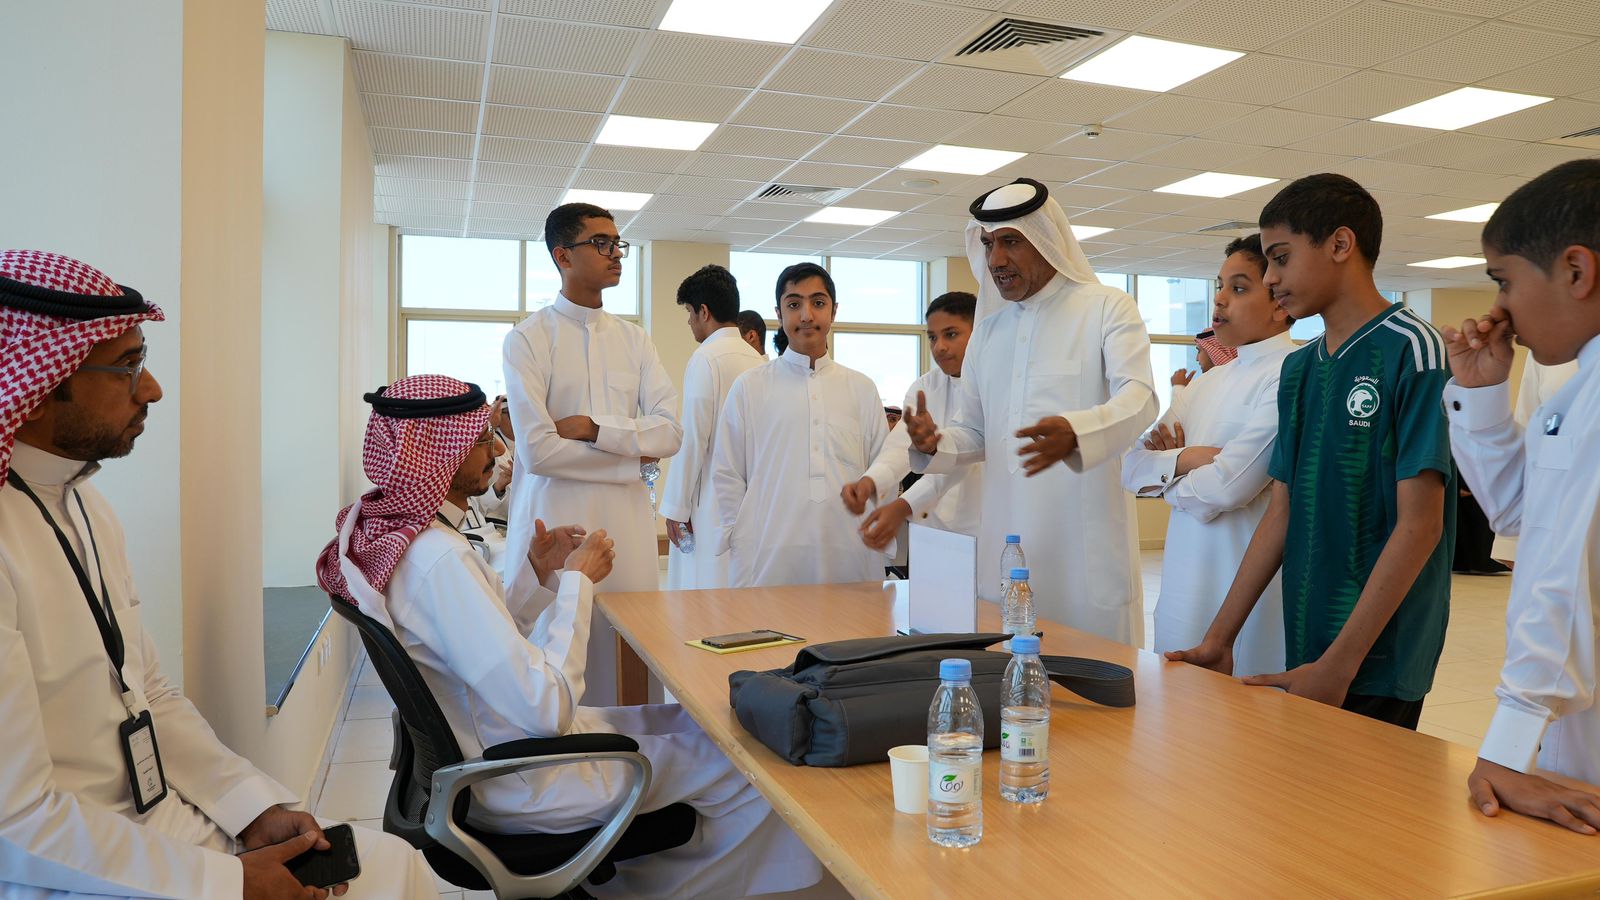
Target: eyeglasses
(489, 437)
(134, 372)
(605, 243)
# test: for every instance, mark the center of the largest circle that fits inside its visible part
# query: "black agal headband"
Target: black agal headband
(44, 301)
(430, 408)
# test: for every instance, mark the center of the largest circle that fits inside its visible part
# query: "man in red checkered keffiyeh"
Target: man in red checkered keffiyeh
(53, 310)
(420, 431)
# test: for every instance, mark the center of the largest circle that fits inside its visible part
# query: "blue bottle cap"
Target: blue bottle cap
(1019, 574)
(1013, 538)
(955, 670)
(1025, 643)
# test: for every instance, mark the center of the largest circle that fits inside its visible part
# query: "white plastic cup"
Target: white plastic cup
(908, 768)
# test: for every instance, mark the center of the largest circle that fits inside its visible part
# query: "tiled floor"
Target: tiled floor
(1458, 709)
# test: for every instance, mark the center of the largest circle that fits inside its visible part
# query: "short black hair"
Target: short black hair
(565, 223)
(750, 320)
(800, 272)
(1318, 205)
(1250, 246)
(780, 341)
(1557, 210)
(957, 303)
(714, 288)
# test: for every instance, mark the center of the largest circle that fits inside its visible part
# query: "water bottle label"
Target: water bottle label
(1025, 743)
(954, 782)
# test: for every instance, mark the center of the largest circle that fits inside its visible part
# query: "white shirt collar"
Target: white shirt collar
(1051, 288)
(1266, 347)
(573, 311)
(452, 513)
(41, 467)
(725, 333)
(1589, 356)
(798, 360)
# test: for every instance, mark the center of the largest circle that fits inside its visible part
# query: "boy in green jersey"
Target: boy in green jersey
(1363, 493)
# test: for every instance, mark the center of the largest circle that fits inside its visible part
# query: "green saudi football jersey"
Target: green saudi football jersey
(1351, 426)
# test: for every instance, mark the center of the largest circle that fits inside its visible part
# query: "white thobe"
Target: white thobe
(1542, 484)
(790, 438)
(1539, 383)
(949, 502)
(688, 495)
(568, 360)
(1216, 507)
(67, 820)
(1079, 351)
(502, 670)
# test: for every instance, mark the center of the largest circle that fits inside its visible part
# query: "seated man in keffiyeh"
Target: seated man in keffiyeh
(509, 666)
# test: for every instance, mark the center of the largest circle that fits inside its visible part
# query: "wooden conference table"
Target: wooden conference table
(1205, 788)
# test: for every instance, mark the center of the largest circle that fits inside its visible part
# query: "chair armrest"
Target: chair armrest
(598, 742)
(450, 781)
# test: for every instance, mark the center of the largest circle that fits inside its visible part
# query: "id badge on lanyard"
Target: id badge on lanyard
(137, 733)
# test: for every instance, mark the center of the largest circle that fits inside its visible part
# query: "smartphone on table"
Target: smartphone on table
(744, 638)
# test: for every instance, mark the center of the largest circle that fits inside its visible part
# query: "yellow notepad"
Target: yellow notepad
(779, 642)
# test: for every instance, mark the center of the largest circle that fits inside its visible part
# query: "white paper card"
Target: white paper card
(944, 581)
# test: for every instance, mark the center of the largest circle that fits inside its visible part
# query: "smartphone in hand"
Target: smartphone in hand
(326, 868)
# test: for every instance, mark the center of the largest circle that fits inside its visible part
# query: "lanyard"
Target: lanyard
(104, 617)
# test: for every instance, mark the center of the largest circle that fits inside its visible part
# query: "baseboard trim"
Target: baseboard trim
(320, 780)
(1156, 544)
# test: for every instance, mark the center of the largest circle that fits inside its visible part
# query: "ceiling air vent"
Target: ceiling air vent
(1034, 48)
(800, 193)
(1589, 139)
(1235, 228)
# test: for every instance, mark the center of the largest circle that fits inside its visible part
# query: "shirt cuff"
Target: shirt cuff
(921, 498)
(609, 433)
(1477, 409)
(1158, 470)
(676, 512)
(223, 876)
(1513, 737)
(245, 801)
(941, 462)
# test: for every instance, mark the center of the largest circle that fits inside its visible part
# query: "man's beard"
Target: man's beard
(77, 438)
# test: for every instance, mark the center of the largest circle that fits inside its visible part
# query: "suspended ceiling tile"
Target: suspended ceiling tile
(774, 143)
(1198, 153)
(512, 228)
(709, 60)
(1379, 175)
(745, 225)
(1172, 114)
(1263, 80)
(420, 207)
(823, 73)
(1240, 24)
(1111, 218)
(300, 16)
(675, 100)
(1478, 53)
(1272, 127)
(965, 88)
(932, 222)
(1530, 160)
(385, 73)
(388, 111)
(712, 187)
(1047, 168)
(707, 206)
(1114, 145)
(792, 111)
(909, 123)
(512, 174)
(1133, 176)
(533, 153)
(518, 194)
(540, 124)
(832, 174)
(1283, 163)
(442, 223)
(542, 89)
(950, 205)
(1371, 33)
(897, 29)
(745, 168)
(406, 142)
(821, 230)
(1363, 139)
(1121, 14)
(1158, 204)
(637, 159)
(638, 182)
(1226, 209)
(1368, 94)
(772, 210)
(886, 199)
(1088, 196)
(533, 214)
(1581, 16)
(413, 30)
(564, 46)
(1058, 100)
(422, 168)
(1544, 122)
(860, 151)
(1451, 149)
(416, 187)
(632, 13)
(1008, 133)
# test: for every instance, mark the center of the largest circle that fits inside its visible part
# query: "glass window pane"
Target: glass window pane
(891, 360)
(757, 274)
(1166, 359)
(458, 273)
(544, 282)
(880, 291)
(1306, 329)
(469, 351)
(1175, 305)
(1120, 282)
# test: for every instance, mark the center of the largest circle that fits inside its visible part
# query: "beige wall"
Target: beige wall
(1452, 306)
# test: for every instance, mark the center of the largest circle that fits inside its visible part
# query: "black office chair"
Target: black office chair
(431, 776)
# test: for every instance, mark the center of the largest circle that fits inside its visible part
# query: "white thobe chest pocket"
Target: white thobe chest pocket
(1052, 385)
(846, 446)
(1552, 467)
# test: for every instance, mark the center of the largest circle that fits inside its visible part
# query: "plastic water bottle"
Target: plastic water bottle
(955, 759)
(1016, 608)
(686, 543)
(1011, 557)
(1025, 725)
(648, 473)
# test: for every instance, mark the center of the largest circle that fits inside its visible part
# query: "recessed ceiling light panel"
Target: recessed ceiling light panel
(1470, 214)
(961, 160)
(1460, 108)
(1450, 262)
(781, 23)
(850, 215)
(1215, 184)
(1150, 64)
(613, 200)
(660, 134)
(1084, 232)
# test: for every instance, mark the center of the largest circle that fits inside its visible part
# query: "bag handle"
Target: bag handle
(1096, 680)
